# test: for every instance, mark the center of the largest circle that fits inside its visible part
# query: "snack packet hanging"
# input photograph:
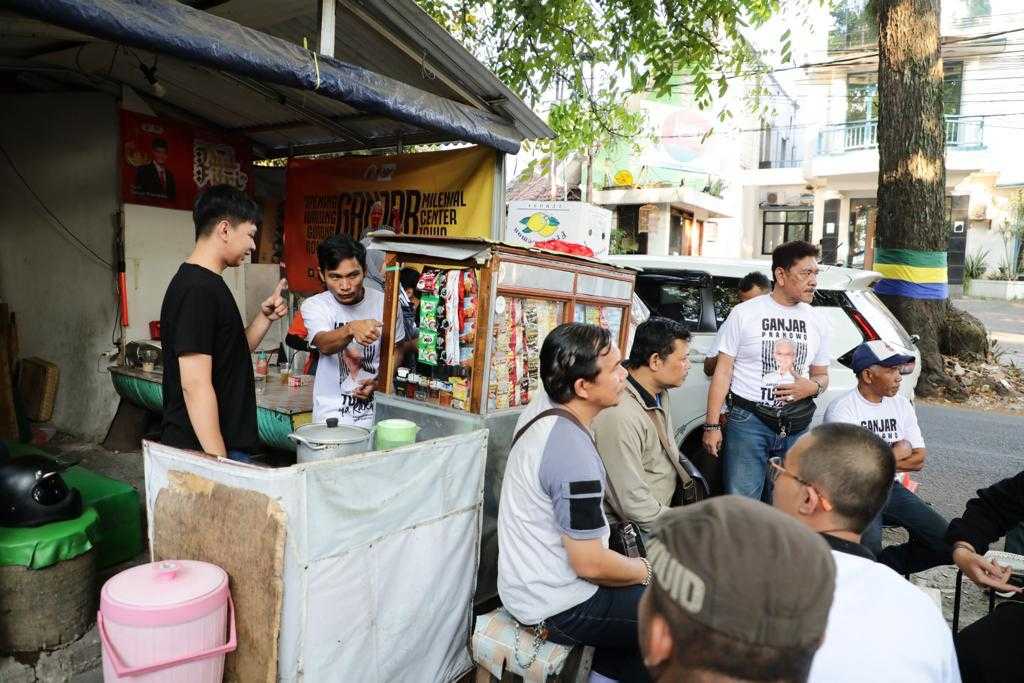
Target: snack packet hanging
(426, 347)
(428, 312)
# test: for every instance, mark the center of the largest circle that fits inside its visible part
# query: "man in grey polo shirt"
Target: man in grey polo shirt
(555, 571)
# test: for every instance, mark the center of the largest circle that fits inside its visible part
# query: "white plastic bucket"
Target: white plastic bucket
(166, 622)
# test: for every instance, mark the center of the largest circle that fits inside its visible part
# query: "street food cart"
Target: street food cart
(485, 309)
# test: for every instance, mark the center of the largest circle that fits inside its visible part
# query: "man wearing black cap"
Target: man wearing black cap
(741, 592)
(876, 405)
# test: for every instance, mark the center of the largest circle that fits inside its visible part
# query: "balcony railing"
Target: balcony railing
(962, 132)
(780, 163)
(854, 38)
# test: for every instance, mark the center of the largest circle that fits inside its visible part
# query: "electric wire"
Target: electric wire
(70, 233)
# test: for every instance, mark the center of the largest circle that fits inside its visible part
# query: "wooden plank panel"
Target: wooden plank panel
(242, 532)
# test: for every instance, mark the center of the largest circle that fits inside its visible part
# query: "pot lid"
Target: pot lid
(331, 433)
(166, 584)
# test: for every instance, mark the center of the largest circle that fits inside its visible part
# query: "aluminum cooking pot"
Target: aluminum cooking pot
(326, 441)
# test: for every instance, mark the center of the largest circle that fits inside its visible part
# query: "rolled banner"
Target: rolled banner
(911, 273)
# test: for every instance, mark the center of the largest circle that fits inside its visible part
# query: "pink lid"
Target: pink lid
(163, 593)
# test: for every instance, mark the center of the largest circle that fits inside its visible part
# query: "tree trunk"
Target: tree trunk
(912, 227)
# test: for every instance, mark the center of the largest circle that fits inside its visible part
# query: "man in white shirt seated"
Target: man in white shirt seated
(876, 404)
(881, 627)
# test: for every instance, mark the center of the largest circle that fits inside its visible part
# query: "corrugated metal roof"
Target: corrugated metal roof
(281, 120)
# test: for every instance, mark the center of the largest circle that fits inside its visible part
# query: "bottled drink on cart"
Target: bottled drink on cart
(262, 364)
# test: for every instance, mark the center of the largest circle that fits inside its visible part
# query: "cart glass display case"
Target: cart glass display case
(483, 311)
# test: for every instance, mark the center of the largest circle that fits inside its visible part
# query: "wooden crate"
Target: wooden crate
(37, 385)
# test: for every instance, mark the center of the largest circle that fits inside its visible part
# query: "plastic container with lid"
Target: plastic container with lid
(166, 622)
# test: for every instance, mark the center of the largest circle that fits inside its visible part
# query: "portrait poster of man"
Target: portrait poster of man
(167, 164)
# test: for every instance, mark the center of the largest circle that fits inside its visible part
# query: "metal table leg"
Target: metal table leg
(956, 601)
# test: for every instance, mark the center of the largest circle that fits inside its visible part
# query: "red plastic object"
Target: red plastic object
(122, 285)
(565, 247)
(154, 330)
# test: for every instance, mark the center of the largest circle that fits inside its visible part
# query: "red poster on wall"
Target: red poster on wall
(168, 164)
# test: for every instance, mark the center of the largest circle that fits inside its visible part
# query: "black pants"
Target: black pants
(989, 650)
(608, 622)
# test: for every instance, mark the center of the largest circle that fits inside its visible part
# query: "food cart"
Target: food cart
(485, 309)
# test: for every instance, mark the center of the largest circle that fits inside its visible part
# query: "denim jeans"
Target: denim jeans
(607, 621)
(239, 456)
(926, 548)
(749, 443)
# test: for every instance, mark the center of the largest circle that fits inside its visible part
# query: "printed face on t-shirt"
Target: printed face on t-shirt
(783, 354)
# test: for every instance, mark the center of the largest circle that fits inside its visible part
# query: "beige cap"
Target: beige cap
(746, 570)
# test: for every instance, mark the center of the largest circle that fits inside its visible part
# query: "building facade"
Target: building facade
(810, 170)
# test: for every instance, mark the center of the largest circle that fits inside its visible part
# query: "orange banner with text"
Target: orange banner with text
(436, 194)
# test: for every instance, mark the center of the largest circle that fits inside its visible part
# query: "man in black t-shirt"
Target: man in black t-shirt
(209, 392)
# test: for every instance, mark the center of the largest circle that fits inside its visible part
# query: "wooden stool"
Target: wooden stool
(505, 651)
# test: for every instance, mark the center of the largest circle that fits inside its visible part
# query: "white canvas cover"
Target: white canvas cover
(381, 556)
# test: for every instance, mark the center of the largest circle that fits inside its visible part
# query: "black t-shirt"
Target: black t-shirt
(199, 315)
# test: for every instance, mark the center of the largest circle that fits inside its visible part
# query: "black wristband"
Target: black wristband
(708, 427)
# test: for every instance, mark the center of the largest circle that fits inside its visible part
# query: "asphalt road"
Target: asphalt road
(967, 450)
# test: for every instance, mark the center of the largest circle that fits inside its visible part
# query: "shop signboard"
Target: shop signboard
(530, 222)
(167, 164)
(432, 194)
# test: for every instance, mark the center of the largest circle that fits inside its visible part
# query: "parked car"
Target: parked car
(700, 292)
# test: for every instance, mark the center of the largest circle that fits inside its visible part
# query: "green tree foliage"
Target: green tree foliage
(598, 52)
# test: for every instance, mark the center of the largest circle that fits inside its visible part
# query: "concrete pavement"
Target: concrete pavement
(1003, 319)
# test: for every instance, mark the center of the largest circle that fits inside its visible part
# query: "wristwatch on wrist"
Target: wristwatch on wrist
(821, 388)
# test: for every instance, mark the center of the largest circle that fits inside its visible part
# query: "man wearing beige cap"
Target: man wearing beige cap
(741, 593)
(881, 627)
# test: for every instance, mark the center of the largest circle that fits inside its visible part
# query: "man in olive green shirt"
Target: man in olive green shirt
(635, 438)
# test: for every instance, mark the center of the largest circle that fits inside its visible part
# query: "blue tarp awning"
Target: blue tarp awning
(172, 28)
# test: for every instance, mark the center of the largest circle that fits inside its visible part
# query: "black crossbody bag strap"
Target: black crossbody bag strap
(634, 547)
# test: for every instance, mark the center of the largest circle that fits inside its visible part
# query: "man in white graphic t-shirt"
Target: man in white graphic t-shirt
(344, 325)
(876, 405)
(772, 363)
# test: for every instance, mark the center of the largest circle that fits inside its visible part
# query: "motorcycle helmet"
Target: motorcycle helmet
(33, 493)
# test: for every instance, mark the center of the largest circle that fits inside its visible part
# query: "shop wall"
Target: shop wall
(65, 146)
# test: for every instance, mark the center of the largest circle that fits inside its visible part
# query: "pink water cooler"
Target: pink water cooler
(166, 622)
